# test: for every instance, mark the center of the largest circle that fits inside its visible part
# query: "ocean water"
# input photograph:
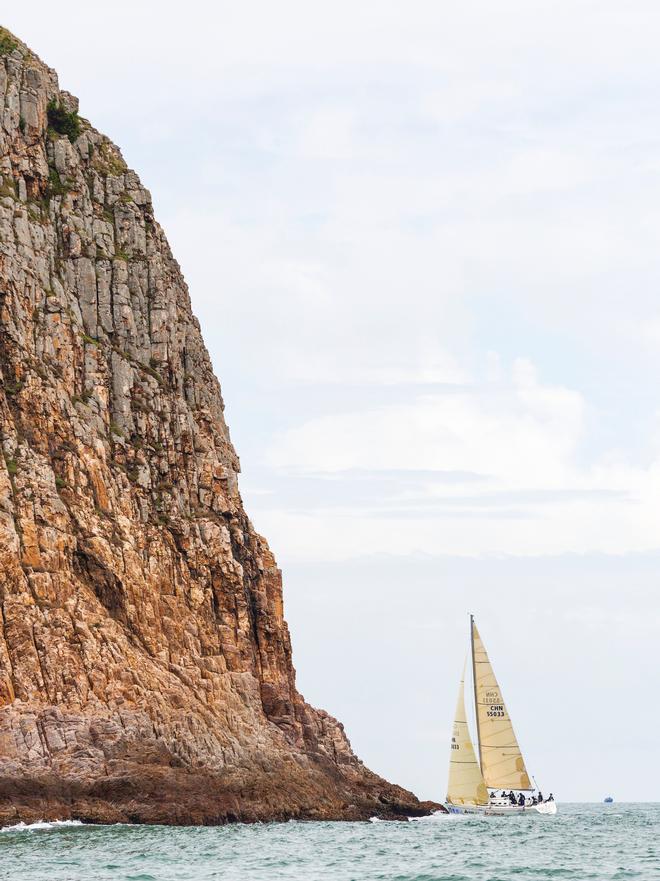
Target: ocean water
(582, 842)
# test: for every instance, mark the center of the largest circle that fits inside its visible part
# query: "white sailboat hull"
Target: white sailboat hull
(495, 810)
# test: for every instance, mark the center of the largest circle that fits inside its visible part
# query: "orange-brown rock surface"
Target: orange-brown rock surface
(145, 664)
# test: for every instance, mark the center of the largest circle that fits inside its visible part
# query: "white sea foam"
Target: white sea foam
(40, 824)
(443, 816)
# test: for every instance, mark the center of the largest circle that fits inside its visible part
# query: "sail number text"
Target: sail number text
(495, 711)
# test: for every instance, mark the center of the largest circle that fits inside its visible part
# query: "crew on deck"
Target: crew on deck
(520, 800)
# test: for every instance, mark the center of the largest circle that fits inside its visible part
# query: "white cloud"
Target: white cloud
(524, 433)
(533, 495)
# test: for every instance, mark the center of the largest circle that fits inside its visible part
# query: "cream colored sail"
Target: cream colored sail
(502, 764)
(466, 785)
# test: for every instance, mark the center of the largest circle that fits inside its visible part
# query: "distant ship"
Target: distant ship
(500, 764)
(609, 800)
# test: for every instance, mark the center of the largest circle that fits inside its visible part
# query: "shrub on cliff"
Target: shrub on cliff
(62, 122)
(7, 42)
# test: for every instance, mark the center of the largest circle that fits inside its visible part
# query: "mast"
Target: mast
(474, 685)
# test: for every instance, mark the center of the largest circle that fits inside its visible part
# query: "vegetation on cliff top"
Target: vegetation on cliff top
(7, 42)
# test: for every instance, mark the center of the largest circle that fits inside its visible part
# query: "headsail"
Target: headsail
(502, 764)
(466, 785)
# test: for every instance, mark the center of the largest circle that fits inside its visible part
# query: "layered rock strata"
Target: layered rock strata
(145, 664)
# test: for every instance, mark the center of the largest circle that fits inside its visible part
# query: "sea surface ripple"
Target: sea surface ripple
(600, 842)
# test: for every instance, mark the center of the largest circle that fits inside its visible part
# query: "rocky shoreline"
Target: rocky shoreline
(184, 799)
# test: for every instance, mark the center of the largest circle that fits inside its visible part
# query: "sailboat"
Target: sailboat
(473, 782)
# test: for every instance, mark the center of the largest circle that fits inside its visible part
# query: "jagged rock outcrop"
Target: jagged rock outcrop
(145, 664)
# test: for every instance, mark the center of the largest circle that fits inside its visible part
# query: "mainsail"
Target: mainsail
(466, 785)
(502, 764)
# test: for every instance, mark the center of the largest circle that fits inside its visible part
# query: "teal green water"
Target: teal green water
(582, 842)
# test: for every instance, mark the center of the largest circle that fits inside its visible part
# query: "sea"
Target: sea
(583, 841)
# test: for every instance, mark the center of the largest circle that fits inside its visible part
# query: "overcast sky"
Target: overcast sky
(423, 243)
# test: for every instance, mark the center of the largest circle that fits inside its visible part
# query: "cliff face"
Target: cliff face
(145, 664)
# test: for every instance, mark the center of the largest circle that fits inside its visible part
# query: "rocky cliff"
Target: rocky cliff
(145, 664)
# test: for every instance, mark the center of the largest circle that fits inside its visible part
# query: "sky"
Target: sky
(422, 241)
